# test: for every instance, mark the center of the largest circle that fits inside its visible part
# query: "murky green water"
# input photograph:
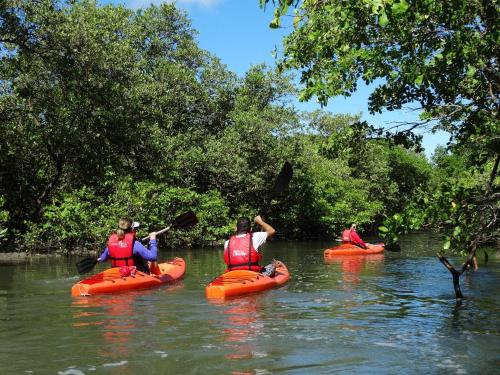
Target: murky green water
(388, 314)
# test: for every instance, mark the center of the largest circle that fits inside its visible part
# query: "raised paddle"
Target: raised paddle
(185, 220)
(280, 184)
(283, 179)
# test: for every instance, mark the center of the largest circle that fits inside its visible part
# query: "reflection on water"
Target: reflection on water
(352, 265)
(382, 313)
(115, 313)
(242, 324)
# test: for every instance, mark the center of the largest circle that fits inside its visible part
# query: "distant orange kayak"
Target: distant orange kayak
(111, 281)
(235, 283)
(350, 249)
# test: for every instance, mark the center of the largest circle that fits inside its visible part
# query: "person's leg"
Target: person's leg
(153, 268)
(141, 264)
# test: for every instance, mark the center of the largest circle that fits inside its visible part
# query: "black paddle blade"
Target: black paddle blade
(185, 220)
(283, 179)
(86, 265)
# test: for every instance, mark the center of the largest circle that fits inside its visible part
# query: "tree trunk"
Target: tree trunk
(42, 198)
(455, 274)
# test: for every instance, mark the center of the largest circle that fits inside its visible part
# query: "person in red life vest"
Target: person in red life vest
(243, 250)
(126, 252)
(351, 236)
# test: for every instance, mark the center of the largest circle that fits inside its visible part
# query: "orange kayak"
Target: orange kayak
(350, 249)
(111, 281)
(235, 283)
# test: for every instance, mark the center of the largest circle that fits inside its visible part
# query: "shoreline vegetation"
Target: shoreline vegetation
(109, 112)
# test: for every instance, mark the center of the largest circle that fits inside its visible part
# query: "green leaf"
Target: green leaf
(419, 79)
(383, 20)
(296, 21)
(471, 71)
(399, 7)
(457, 231)
(275, 23)
(284, 8)
(446, 245)
(383, 229)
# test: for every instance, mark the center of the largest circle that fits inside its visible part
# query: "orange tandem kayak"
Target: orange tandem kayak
(235, 283)
(111, 281)
(350, 249)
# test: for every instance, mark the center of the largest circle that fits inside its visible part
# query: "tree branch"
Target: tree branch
(494, 172)
(455, 274)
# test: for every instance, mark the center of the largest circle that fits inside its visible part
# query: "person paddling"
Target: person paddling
(350, 236)
(243, 250)
(125, 252)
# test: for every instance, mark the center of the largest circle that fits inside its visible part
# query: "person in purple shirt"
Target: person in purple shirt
(121, 241)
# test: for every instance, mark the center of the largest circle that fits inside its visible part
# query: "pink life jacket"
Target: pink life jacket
(241, 255)
(121, 251)
(346, 236)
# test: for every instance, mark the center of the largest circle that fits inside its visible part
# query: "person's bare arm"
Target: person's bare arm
(267, 228)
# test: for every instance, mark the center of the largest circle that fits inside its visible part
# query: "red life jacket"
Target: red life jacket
(121, 251)
(241, 255)
(346, 236)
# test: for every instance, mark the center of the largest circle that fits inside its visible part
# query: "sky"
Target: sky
(238, 33)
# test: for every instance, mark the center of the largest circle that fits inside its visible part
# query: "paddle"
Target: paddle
(390, 247)
(281, 183)
(86, 265)
(283, 179)
(185, 220)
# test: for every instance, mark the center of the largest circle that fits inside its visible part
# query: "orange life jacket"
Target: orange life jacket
(241, 255)
(121, 251)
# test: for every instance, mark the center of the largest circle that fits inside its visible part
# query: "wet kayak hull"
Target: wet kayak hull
(240, 282)
(110, 281)
(349, 249)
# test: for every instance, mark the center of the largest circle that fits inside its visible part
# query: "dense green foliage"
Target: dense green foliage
(108, 112)
(440, 55)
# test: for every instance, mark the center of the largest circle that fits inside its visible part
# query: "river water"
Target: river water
(393, 313)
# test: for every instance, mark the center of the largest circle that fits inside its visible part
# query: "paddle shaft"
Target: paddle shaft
(185, 220)
(158, 233)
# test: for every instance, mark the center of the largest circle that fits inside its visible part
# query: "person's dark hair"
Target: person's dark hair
(243, 225)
